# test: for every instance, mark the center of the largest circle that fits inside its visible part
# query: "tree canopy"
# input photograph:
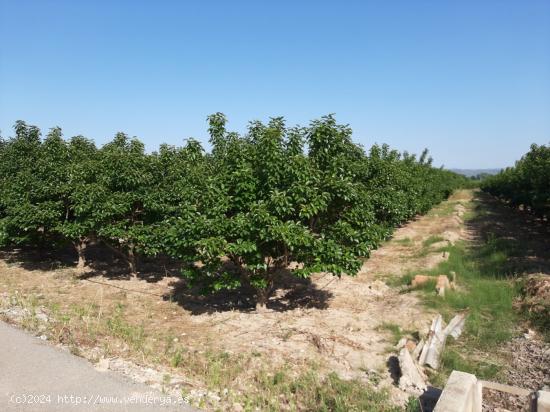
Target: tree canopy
(527, 183)
(301, 199)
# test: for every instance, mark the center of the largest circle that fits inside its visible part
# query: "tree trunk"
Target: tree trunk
(263, 295)
(80, 247)
(132, 260)
(130, 257)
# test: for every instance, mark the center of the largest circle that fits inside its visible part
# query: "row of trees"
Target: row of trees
(526, 184)
(235, 216)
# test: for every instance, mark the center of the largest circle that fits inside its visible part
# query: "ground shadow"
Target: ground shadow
(41, 259)
(104, 262)
(429, 399)
(394, 369)
(508, 242)
(101, 262)
(289, 293)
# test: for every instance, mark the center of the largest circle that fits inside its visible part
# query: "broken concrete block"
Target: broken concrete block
(402, 342)
(442, 284)
(418, 349)
(461, 394)
(412, 379)
(543, 401)
(421, 280)
(452, 273)
(455, 326)
(410, 345)
(433, 348)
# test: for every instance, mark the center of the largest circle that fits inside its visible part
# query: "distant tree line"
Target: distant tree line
(527, 184)
(262, 200)
(480, 176)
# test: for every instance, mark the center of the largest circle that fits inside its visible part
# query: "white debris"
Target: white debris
(402, 342)
(412, 379)
(455, 326)
(418, 349)
(432, 350)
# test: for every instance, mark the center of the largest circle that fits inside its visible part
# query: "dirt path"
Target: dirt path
(337, 324)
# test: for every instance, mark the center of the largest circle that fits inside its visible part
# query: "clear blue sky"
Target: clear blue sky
(470, 80)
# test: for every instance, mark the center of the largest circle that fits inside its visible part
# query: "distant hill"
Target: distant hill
(475, 172)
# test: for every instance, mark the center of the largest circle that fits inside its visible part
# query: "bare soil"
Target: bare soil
(338, 324)
(334, 322)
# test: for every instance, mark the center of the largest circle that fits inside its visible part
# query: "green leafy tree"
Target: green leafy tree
(183, 199)
(47, 195)
(29, 195)
(125, 205)
(526, 184)
(278, 204)
(81, 196)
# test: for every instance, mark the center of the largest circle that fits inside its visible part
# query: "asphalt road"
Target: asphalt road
(35, 376)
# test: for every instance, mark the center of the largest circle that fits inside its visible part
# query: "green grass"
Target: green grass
(444, 209)
(413, 405)
(406, 241)
(487, 294)
(311, 391)
(427, 249)
(431, 240)
(459, 358)
(394, 329)
(396, 333)
(276, 389)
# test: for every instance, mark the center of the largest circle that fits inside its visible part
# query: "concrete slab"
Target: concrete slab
(461, 394)
(543, 401)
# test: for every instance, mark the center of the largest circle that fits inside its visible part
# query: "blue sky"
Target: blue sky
(470, 80)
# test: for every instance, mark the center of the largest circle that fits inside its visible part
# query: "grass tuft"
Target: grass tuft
(406, 241)
(431, 240)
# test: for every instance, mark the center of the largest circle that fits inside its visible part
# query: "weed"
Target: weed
(406, 241)
(314, 392)
(488, 299)
(431, 240)
(444, 209)
(131, 334)
(456, 358)
(176, 359)
(413, 405)
(394, 329)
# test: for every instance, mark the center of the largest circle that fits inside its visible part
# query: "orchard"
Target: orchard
(275, 198)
